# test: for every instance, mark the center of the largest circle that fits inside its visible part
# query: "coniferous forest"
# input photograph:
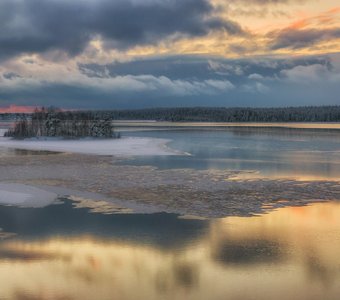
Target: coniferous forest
(97, 123)
(220, 114)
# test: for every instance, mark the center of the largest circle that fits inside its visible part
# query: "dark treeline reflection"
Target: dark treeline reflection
(248, 252)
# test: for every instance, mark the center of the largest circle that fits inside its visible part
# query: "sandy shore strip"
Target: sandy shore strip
(123, 147)
(192, 125)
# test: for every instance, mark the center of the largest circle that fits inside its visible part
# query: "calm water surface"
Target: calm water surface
(60, 252)
(274, 152)
(64, 252)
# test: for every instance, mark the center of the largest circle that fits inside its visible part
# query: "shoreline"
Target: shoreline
(273, 125)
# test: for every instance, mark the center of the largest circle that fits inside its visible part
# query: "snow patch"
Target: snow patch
(129, 146)
(3, 131)
(24, 195)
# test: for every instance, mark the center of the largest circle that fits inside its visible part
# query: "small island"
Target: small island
(53, 122)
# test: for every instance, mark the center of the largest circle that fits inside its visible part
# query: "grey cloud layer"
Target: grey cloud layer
(194, 68)
(34, 26)
(185, 81)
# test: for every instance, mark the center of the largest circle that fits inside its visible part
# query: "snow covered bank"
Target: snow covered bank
(2, 131)
(24, 195)
(117, 147)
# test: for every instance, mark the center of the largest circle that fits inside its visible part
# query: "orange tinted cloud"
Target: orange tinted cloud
(328, 17)
(308, 31)
(299, 24)
(334, 10)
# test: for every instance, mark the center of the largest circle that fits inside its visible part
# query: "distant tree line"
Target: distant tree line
(85, 119)
(12, 116)
(52, 122)
(219, 114)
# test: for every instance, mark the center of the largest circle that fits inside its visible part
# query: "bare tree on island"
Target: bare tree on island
(53, 122)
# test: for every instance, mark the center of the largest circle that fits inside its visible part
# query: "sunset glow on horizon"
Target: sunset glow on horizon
(17, 109)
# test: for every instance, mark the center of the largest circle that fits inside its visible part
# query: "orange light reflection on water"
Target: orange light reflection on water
(290, 253)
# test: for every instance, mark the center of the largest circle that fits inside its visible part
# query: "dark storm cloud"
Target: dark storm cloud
(295, 39)
(34, 26)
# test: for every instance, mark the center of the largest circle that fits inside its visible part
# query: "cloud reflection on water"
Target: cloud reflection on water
(290, 253)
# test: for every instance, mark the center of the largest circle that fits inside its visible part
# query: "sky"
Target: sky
(116, 54)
